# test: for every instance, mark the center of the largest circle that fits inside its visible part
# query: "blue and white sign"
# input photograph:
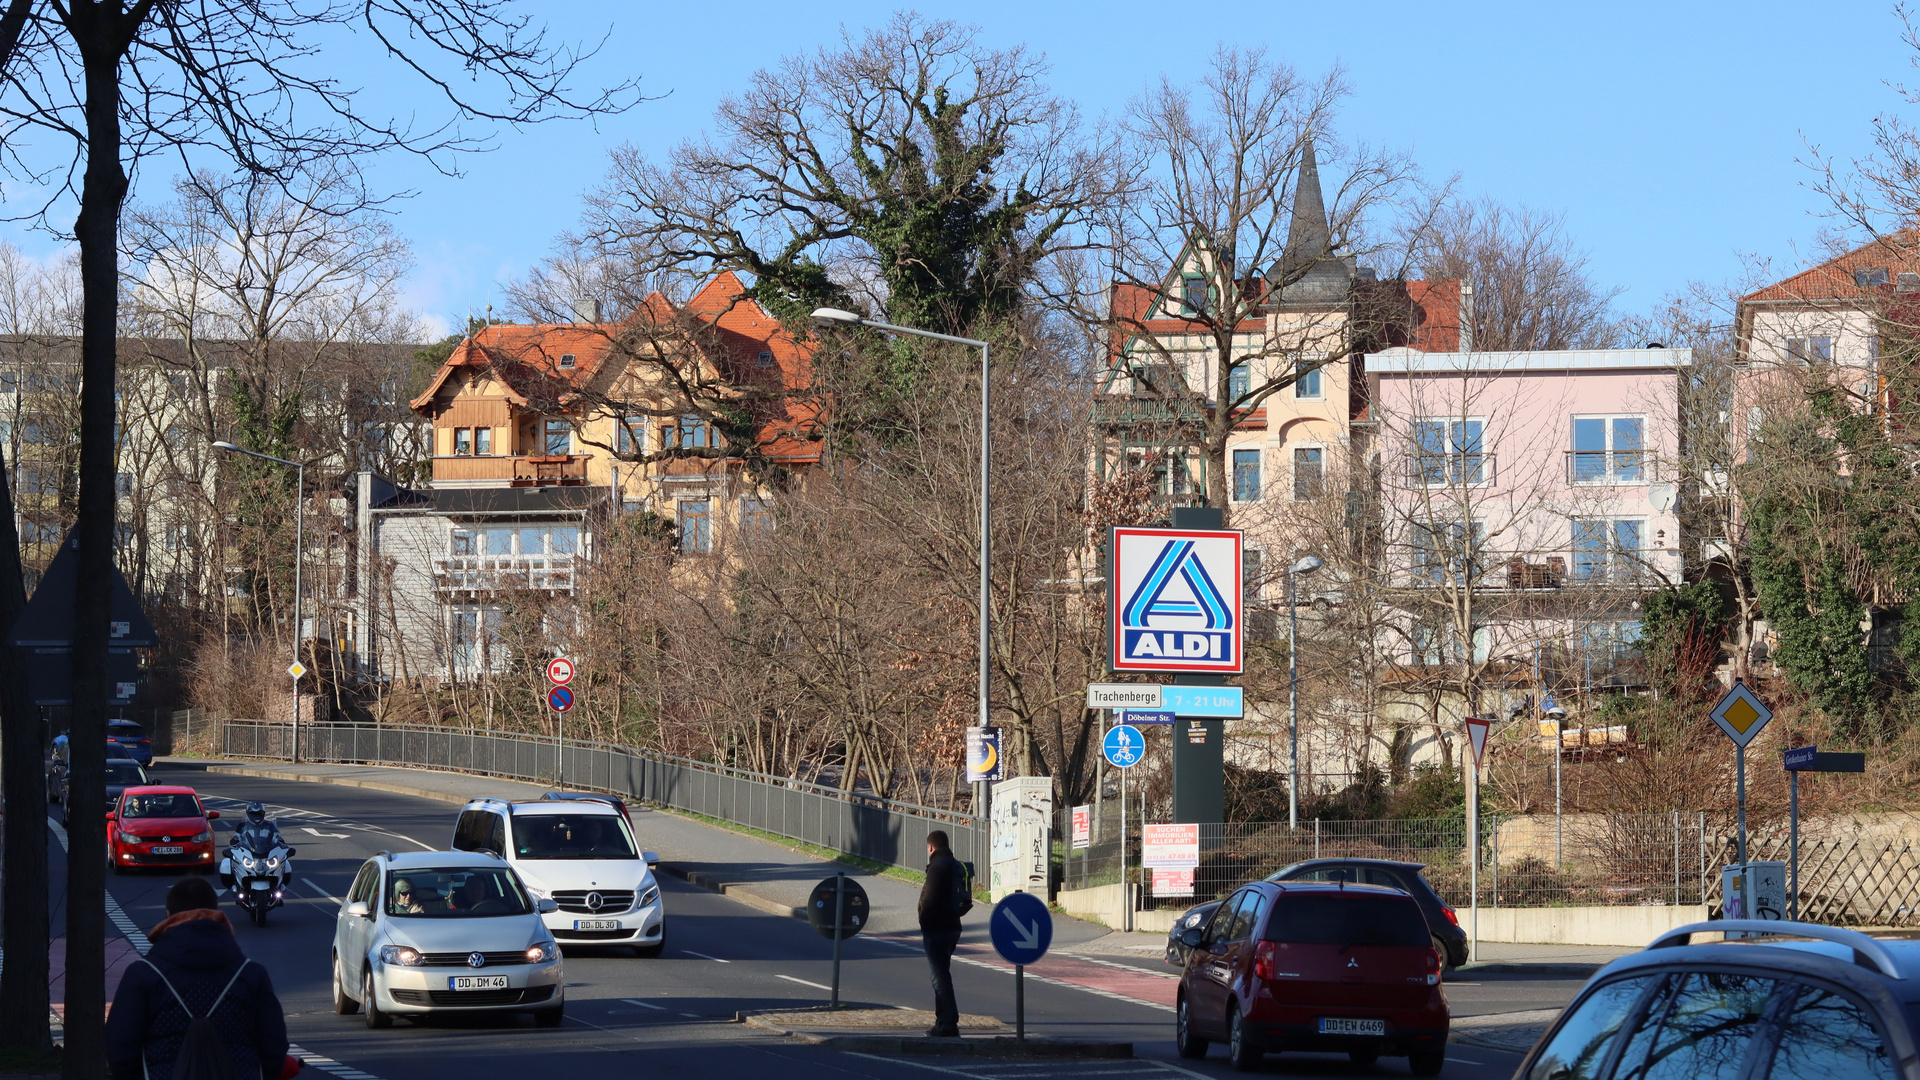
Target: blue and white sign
(1137, 718)
(1021, 928)
(1203, 700)
(1801, 758)
(1174, 603)
(1123, 746)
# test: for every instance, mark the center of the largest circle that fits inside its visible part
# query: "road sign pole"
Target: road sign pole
(1740, 830)
(1020, 1001)
(1793, 845)
(1473, 860)
(839, 921)
(1126, 872)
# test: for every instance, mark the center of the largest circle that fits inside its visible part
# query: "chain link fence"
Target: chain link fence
(884, 831)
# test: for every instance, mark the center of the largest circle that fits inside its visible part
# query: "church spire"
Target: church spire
(1308, 235)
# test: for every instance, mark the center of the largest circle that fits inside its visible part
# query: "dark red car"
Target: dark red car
(1314, 966)
(160, 825)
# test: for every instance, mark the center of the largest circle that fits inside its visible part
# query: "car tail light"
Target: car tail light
(1433, 967)
(1263, 960)
(1452, 916)
(146, 742)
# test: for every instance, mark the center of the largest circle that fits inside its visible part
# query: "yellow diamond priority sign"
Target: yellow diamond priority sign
(1740, 714)
(296, 669)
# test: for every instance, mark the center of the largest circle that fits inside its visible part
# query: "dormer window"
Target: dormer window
(1869, 278)
(765, 359)
(1193, 293)
(566, 360)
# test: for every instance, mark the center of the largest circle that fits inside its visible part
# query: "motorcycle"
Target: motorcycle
(257, 868)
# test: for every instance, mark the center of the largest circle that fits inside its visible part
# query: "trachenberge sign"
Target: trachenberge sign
(1174, 600)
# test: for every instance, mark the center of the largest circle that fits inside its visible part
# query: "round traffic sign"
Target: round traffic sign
(1124, 746)
(559, 671)
(854, 908)
(560, 698)
(1021, 928)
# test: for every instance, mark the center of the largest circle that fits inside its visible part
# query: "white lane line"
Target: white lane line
(804, 982)
(308, 882)
(328, 1065)
(704, 956)
(920, 1064)
(692, 1016)
(1463, 1061)
(1121, 966)
(645, 1005)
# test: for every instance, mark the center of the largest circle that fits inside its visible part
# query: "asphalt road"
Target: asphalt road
(674, 1015)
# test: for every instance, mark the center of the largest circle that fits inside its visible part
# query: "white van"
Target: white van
(582, 856)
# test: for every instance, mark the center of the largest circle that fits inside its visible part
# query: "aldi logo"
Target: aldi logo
(1174, 600)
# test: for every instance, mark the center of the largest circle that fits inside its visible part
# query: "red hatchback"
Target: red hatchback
(1315, 966)
(159, 826)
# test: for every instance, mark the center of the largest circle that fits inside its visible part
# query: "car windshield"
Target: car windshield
(571, 836)
(159, 806)
(258, 839)
(1347, 919)
(467, 893)
(124, 774)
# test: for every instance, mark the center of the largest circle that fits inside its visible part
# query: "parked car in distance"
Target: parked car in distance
(1803, 1002)
(581, 854)
(1443, 923)
(122, 773)
(160, 825)
(444, 931)
(1313, 966)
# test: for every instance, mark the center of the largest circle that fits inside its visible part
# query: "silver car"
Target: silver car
(444, 931)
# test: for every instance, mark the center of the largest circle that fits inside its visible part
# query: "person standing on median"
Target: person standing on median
(947, 895)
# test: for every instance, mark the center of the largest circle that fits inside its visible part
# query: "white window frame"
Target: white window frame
(1417, 479)
(1233, 479)
(1319, 373)
(1610, 476)
(1293, 475)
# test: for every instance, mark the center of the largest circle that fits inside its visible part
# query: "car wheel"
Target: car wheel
(1364, 1057)
(1241, 1053)
(371, 1003)
(342, 1004)
(1446, 958)
(1426, 1062)
(1185, 1041)
(550, 1017)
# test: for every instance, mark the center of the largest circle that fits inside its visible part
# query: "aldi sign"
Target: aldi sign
(1174, 600)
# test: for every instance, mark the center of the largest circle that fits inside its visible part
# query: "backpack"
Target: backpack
(202, 1055)
(961, 901)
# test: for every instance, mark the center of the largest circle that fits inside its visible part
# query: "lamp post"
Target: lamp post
(1558, 715)
(1307, 565)
(837, 317)
(299, 552)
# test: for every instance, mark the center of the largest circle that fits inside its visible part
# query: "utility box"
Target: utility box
(1022, 836)
(1757, 890)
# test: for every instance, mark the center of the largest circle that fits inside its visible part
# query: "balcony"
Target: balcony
(476, 575)
(478, 471)
(1442, 470)
(1522, 574)
(1587, 468)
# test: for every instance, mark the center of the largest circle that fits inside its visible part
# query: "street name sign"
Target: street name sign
(1800, 758)
(983, 755)
(1740, 714)
(559, 671)
(560, 698)
(1123, 746)
(1021, 928)
(1174, 600)
(1136, 717)
(1123, 695)
(1227, 701)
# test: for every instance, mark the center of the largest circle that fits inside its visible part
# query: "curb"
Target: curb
(734, 891)
(1512, 967)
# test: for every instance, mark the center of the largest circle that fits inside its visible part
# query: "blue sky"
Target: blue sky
(1669, 133)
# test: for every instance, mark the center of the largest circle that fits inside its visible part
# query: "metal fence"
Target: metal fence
(884, 831)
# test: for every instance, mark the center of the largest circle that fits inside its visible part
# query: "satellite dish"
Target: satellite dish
(1663, 496)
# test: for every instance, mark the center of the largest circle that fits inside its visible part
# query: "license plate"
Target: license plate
(174, 849)
(476, 982)
(1332, 1026)
(257, 883)
(596, 924)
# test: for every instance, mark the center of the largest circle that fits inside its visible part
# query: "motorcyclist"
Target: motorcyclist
(257, 833)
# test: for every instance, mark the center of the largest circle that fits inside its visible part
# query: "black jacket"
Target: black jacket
(936, 896)
(198, 958)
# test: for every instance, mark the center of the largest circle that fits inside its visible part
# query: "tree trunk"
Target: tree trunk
(23, 979)
(98, 31)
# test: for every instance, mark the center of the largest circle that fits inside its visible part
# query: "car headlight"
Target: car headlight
(540, 953)
(399, 954)
(1193, 920)
(648, 897)
(203, 837)
(129, 838)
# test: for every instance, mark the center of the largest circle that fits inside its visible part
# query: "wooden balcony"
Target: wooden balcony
(474, 471)
(481, 575)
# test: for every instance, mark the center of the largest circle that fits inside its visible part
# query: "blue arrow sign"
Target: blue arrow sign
(1021, 928)
(1123, 746)
(560, 698)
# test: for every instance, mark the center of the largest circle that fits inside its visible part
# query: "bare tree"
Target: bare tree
(1531, 286)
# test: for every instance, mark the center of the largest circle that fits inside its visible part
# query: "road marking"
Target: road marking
(325, 835)
(309, 884)
(804, 982)
(1031, 977)
(645, 1005)
(1464, 1061)
(693, 1016)
(328, 1065)
(704, 956)
(1124, 967)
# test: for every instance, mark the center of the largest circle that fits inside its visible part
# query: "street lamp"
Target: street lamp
(299, 550)
(837, 317)
(1307, 565)
(1558, 715)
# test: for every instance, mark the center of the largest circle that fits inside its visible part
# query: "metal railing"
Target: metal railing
(497, 573)
(861, 825)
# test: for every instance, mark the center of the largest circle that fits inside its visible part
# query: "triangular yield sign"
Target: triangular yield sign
(1477, 736)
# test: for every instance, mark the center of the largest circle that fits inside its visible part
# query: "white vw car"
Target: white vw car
(444, 931)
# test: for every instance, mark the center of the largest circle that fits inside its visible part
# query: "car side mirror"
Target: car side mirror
(212, 815)
(1191, 937)
(359, 909)
(652, 858)
(547, 906)
(110, 815)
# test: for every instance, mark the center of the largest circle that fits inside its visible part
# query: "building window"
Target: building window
(176, 538)
(1810, 350)
(566, 360)
(696, 526)
(756, 515)
(483, 440)
(557, 438)
(1869, 278)
(463, 442)
(1246, 475)
(1606, 549)
(461, 543)
(1447, 452)
(631, 438)
(123, 485)
(1253, 581)
(1447, 553)
(1194, 294)
(1307, 386)
(1608, 450)
(691, 433)
(765, 359)
(497, 540)
(1606, 645)
(1239, 381)
(1309, 472)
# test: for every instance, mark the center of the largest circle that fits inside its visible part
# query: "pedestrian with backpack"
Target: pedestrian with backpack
(947, 895)
(195, 1008)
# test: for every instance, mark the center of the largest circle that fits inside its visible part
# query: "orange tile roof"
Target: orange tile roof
(1896, 253)
(1438, 326)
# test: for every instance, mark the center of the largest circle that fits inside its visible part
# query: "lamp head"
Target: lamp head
(1555, 711)
(1307, 564)
(835, 315)
(222, 444)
